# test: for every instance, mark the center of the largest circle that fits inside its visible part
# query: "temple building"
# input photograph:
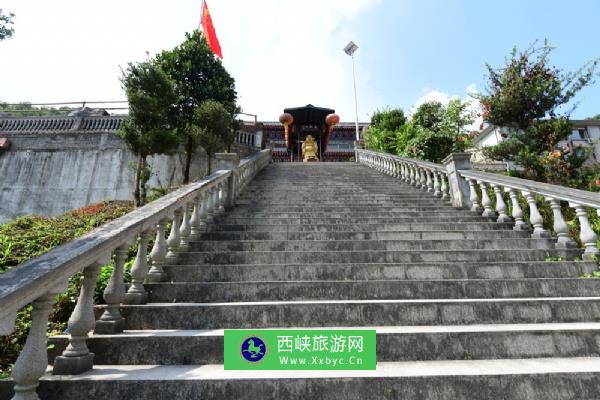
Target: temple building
(334, 139)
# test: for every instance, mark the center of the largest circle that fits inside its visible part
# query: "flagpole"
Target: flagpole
(201, 16)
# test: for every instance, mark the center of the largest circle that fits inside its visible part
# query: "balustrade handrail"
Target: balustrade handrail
(463, 182)
(28, 281)
(419, 163)
(582, 197)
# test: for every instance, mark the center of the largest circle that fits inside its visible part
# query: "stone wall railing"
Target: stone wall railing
(247, 139)
(61, 124)
(428, 176)
(463, 183)
(37, 281)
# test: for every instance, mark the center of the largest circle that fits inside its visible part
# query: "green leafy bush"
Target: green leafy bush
(30, 236)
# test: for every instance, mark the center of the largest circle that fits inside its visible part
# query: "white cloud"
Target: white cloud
(281, 53)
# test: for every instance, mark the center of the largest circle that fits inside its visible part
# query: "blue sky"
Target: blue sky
(289, 53)
(413, 47)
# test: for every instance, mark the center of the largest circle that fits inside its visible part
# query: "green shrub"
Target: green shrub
(30, 236)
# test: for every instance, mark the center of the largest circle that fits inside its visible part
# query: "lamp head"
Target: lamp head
(350, 48)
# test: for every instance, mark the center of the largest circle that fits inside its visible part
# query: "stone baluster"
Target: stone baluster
(535, 217)
(222, 197)
(76, 358)
(500, 204)
(445, 187)
(33, 359)
(563, 240)
(137, 293)
(517, 212)
(403, 172)
(111, 320)
(488, 211)
(423, 180)
(174, 240)
(474, 197)
(196, 219)
(586, 234)
(185, 229)
(429, 181)
(158, 254)
(436, 184)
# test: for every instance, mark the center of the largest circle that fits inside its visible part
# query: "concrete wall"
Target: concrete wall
(48, 174)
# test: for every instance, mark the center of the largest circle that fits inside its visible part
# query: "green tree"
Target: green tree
(198, 76)
(6, 30)
(25, 109)
(457, 116)
(147, 129)
(383, 129)
(212, 123)
(597, 116)
(526, 97)
(390, 119)
(429, 115)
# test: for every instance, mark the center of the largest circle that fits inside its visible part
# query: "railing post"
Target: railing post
(76, 358)
(535, 217)
(137, 293)
(111, 320)
(500, 204)
(517, 212)
(33, 359)
(210, 203)
(486, 202)
(563, 240)
(586, 233)
(436, 184)
(445, 192)
(174, 240)
(458, 186)
(429, 181)
(229, 161)
(185, 229)
(474, 197)
(158, 254)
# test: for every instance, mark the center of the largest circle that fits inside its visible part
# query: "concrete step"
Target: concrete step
(404, 256)
(222, 292)
(416, 213)
(398, 235)
(258, 208)
(548, 379)
(371, 245)
(395, 343)
(364, 227)
(359, 313)
(378, 271)
(349, 219)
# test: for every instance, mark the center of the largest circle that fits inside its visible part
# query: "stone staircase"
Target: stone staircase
(464, 307)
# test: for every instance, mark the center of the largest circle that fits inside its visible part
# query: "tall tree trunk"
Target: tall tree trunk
(138, 174)
(188, 160)
(143, 181)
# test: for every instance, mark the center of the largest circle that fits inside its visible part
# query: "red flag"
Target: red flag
(209, 31)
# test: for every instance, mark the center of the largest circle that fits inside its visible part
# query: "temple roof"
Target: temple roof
(309, 114)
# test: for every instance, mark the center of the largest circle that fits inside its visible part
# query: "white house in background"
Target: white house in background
(585, 133)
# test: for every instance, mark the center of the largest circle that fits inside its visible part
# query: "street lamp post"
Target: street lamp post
(350, 49)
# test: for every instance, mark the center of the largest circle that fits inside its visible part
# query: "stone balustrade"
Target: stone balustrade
(38, 280)
(455, 180)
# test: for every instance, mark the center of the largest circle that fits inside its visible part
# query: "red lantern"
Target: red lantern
(332, 119)
(286, 119)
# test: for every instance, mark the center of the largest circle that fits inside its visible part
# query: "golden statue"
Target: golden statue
(310, 149)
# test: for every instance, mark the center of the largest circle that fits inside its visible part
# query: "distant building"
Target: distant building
(586, 133)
